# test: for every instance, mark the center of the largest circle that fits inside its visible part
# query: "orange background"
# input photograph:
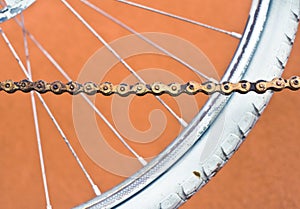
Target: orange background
(263, 173)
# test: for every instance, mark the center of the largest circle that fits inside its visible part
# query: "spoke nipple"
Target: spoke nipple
(142, 161)
(96, 190)
(236, 35)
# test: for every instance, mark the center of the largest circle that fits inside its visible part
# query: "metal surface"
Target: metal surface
(157, 88)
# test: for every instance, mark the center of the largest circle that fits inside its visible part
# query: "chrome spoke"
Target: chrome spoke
(233, 34)
(25, 41)
(61, 132)
(96, 110)
(28, 74)
(147, 40)
(121, 60)
(66, 140)
(35, 117)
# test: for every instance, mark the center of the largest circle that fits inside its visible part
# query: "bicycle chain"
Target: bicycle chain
(157, 88)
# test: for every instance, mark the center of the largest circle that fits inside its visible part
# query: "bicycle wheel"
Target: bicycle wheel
(141, 188)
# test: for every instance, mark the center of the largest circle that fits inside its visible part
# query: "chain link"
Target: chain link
(156, 88)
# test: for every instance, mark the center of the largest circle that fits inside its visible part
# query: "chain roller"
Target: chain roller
(156, 88)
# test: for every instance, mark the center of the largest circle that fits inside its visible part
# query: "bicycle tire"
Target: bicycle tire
(177, 173)
(239, 119)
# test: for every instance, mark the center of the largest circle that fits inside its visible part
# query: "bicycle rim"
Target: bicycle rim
(178, 159)
(181, 158)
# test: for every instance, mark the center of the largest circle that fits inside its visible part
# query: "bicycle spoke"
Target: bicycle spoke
(35, 114)
(233, 34)
(36, 121)
(40, 150)
(96, 110)
(121, 60)
(25, 41)
(188, 157)
(28, 74)
(147, 40)
(34, 110)
(94, 186)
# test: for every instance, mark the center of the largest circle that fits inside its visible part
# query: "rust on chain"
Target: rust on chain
(156, 88)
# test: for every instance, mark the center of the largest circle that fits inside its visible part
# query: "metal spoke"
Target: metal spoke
(95, 187)
(34, 110)
(62, 71)
(35, 116)
(25, 41)
(147, 40)
(28, 74)
(121, 60)
(233, 34)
